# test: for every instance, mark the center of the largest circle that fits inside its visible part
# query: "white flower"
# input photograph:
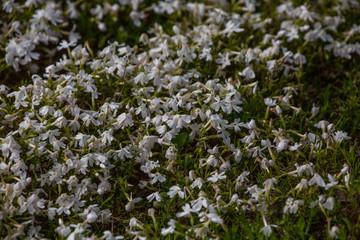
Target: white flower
(216, 176)
(302, 185)
(117, 63)
(50, 134)
(231, 27)
(269, 184)
(322, 124)
(248, 73)
(237, 155)
(197, 183)
(329, 204)
(278, 110)
(187, 210)
(307, 168)
(214, 218)
(331, 183)
(200, 202)
(148, 142)
(123, 120)
(315, 110)
(270, 102)
(219, 103)
(130, 205)
(243, 177)
(45, 110)
(340, 135)
(156, 177)
(62, 229)
(82, 138)
(107, 137)
(170, 229)
(345, 169)
(136, 17)
(155, 195)
(295, 147)
(212, 161)
(333, 232)
(266, 230)
(271, 65)
(292, 206)
(223, 60)
(179, 121)
(206, 53)
(318, 180)
(92, 216)
(282, 145)
(65, 44)
(133, 223)
(171, 153)
(175, 190)
(104, 215)
(109, 236)
(186, 53)
(150, 165)
(141, 78)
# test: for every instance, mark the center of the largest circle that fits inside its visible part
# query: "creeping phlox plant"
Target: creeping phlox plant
(34, 28)
(197, 132)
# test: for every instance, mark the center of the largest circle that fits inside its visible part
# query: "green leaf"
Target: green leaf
(180, 139)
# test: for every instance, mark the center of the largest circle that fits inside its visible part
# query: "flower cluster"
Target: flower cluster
(29, 27)
(169, 136)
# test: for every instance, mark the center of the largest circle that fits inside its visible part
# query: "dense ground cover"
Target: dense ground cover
(176, 119)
